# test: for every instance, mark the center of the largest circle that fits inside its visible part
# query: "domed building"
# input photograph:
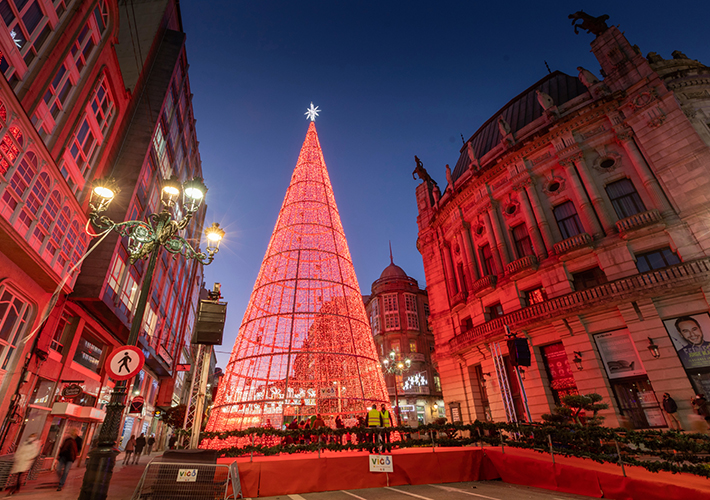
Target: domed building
(577, 218)
(398, 311)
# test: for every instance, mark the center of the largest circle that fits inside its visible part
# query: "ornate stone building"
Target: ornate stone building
(398, 311)
(578, 216)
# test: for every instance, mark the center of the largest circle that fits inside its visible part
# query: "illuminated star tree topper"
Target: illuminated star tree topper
(312, 112)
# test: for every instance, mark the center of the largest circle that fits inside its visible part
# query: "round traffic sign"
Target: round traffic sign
(125, 362)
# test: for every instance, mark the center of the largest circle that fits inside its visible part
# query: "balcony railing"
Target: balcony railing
(484, 283)
(639, 220)
(527, 262)
(647, 284)
(577, 241)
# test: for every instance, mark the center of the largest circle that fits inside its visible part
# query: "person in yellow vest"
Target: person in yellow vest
(386, 422)
(374, 422)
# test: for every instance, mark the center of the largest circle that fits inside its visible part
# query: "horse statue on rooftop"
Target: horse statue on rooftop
(594, 25)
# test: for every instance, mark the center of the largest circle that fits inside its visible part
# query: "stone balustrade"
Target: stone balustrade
(638, 220)
(484, 283)
(527, 262)
(577, 241)
(689, 274)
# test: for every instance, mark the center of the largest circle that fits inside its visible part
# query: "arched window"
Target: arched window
(47, 217)
(69, 240)
(10, 147)
(15, 319)
(18, 186)
(59, 229)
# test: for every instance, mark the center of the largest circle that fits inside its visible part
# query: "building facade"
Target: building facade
(398, 311)
(578, 217)
(92, 89)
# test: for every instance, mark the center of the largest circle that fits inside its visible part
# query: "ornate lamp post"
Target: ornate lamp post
(397, 365)
(145, 239)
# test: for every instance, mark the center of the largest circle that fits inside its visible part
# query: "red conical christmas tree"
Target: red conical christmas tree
(304, 346)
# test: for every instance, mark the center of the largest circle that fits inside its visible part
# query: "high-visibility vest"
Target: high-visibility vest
(374, 418)
(386, 421)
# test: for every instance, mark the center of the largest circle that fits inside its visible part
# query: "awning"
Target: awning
(76, 412)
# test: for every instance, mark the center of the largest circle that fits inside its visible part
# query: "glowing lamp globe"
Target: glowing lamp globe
(193, 192)
(170, 192)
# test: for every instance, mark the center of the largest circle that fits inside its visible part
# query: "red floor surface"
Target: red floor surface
(306, 473)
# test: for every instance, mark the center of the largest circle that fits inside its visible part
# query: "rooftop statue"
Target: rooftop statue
(422, 173)
(587, 77)
(545, 100)
(449, 178)
(503, 126)
(594, 25)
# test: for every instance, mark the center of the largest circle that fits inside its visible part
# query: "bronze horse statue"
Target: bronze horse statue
(421, 172)
(594, 25)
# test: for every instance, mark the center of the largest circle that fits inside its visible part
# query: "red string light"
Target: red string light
(304, 346)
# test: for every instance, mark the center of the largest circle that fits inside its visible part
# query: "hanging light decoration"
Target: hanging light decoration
(304, 346)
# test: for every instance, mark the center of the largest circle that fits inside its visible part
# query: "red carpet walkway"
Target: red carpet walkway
(291, 474)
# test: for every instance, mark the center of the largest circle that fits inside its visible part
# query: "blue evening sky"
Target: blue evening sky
(393, 80)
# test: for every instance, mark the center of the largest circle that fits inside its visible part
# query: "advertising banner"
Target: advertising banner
(619, 354)
(690, 336)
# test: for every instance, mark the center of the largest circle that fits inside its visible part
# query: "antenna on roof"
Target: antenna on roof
(462, 139)
(548, 67)
(391, 259)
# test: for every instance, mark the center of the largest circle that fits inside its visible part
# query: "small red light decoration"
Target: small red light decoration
(304, 346)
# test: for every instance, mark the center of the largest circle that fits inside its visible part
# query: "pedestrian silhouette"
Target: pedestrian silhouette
(124, 363)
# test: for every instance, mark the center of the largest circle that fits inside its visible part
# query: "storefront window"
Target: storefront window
(42, 395)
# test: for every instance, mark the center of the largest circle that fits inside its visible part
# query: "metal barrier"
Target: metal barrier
(188, 481)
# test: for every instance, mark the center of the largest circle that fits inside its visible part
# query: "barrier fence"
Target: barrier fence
(654, 450)
(188, 481)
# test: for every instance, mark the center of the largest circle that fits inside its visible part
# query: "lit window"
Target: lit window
(412, 345)
(568, 220)
(624, 198)
(10, 147)
(391, 310)
(114, 278)
(410, 302)
(658, 259)
(129, 292)
(534, 296)
(494, 311)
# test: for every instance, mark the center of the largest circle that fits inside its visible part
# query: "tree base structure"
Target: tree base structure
(346, 471)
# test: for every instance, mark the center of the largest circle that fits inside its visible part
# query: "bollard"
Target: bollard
(252, 448)
(549, 439)
(502, 445)
(318, 445)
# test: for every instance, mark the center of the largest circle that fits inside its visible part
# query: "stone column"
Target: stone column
(492, 241)
(542, 223)
(500, 236)
(449, 274)
(531, 223)
(470, 254)
(644, 172)
(585, 209)
(608, 224)
(467, 277)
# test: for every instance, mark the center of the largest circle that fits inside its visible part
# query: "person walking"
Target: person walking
(700, 405)
(140, 444)
(386, 422)
(671, 409)
(66, 457)
(151, 442)
(129, 449)
(24, 460)
(374, 422)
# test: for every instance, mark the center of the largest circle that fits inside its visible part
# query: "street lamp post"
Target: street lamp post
(145, 239)
(396, 365)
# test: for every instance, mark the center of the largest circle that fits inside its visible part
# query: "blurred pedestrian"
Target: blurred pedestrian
(671, 409)
(700, 405)
(66, 457)
(172, 441)
(140, 444)
(24, 460)
(151, 442)
(129, 449)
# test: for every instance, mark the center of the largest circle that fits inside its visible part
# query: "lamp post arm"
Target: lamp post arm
(179, 245)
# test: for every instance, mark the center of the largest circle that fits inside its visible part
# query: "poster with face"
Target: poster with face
(691, 339)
